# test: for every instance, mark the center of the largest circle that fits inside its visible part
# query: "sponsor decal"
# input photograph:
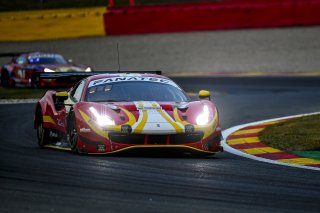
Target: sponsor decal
(101, 147)
(149, 108)
(206, 146)
(38, 55)
(60, 123)
(131, 78)
(53, 134)
(85, 130)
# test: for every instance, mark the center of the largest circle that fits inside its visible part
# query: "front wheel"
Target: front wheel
(73, 134)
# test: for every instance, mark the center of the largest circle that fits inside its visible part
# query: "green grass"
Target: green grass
(16, 5)
(299, 134)
(21, 93)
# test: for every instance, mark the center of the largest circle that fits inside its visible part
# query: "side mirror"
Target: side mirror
(61, 97)
(203, 94)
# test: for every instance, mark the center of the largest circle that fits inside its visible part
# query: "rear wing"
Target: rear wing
(12, 54)
(71, 78)
(54, 75)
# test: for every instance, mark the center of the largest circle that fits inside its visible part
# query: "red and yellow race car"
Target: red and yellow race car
(114, 112)
(24, 69)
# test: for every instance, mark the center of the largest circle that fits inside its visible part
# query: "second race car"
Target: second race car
(109, 113)
(24, 68)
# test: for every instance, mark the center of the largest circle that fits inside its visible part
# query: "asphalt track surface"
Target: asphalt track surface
(44, 180)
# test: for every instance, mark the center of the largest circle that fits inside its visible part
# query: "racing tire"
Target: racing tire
(43, 135)
(72, 132)
(35, 82)
(5, 78)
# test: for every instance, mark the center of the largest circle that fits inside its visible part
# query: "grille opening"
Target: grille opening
(126, 138)
(186, 138)
(178, 139)
(157, 139)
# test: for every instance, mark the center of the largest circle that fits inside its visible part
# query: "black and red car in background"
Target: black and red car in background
(24, 68)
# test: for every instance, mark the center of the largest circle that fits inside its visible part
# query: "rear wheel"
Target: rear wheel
(73, 134)
(42, 133)
(35, 82)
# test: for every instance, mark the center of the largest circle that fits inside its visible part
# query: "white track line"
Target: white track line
(231, 130)
(18, 101)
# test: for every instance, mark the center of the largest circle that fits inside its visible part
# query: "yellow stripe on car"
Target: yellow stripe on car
(132, 119)
(57, 147)
(178, 128)
(143, 121)
(97, 130)
(209, 128)
(48, 119)
(177, 118)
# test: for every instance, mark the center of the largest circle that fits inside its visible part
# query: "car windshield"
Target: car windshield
(46, 59)
(135, 91)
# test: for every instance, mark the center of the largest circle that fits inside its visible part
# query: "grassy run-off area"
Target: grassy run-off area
(295, 135)
(21, 93)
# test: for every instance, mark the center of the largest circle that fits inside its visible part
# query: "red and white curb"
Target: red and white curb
(243, 140)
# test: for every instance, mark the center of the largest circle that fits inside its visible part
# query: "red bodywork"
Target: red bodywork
(113, 138)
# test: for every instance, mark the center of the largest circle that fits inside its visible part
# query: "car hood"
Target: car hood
(64, 67)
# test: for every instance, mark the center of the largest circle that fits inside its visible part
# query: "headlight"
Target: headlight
(102, 120)
(203, 118)
(88, 69)
(48, 70)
